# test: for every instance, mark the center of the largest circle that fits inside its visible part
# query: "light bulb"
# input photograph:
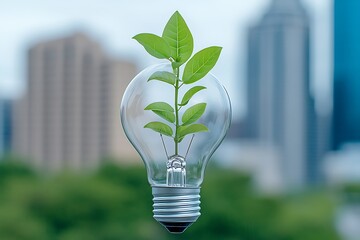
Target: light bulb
(175, 173)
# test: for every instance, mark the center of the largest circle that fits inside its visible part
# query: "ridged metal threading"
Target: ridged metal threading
(176, 204)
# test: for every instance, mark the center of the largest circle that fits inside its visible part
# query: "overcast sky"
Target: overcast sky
(115, 22)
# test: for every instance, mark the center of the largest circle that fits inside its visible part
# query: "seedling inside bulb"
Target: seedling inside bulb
(176, 45)
(190, 119)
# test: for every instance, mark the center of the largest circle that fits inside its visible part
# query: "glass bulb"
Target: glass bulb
(175, 173)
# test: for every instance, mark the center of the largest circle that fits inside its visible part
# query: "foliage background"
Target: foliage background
(116, 203)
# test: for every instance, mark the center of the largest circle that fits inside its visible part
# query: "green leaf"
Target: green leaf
(169, 116)
(189, 94)
(163, 76)
(160, 106)
(177, 34)
(200, 64)
(156, 46)
(193, 128)
(193, 113)
(160, 128)
(162, 109)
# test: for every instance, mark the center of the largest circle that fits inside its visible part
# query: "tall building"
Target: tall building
(69, 116)
(281, 111)
(346, 111)
(5, 126)
(2, 127)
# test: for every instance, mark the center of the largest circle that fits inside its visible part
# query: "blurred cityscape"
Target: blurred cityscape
(67, 118)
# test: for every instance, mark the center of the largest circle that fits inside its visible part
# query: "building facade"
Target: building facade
(281, 111)
(346, 111)
(69, 115)
(5, 126)
(2, 128)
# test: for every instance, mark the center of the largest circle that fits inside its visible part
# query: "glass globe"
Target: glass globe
(174, 177)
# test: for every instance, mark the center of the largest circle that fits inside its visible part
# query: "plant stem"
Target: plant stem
(176, 71)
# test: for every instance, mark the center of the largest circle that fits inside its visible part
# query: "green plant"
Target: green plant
(176, 45)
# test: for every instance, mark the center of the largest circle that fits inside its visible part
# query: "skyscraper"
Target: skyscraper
(69, 114)
(2, 127)
(281, 111)
(346, 111)
(5, 126)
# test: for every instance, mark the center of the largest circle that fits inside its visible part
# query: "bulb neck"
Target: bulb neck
(176, 208)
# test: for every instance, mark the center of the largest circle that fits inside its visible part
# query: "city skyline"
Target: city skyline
(43, 20)
(240, 92)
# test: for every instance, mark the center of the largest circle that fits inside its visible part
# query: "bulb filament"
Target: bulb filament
(176, 166)
(176, 171)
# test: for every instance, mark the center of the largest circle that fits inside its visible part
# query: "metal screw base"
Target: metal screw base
(176, 208)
